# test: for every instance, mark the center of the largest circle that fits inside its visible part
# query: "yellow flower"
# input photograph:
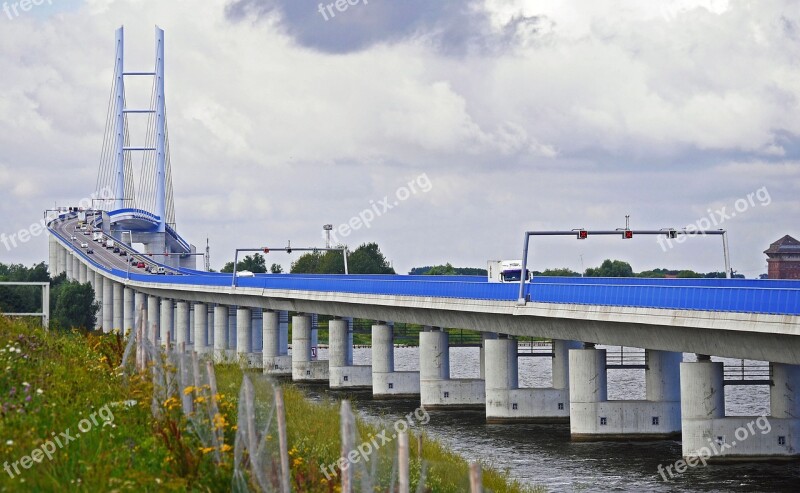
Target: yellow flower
(219, 422)
(206, 450)
(200, 400)
(226, 448)
(297, 461)
(188, 390)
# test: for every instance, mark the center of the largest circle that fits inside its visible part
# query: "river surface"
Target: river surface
(544, 455)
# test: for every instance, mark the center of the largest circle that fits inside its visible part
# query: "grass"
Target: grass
(57, 382)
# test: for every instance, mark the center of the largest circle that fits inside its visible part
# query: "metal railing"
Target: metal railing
(626, 358)
(748, 374)
(45, 313)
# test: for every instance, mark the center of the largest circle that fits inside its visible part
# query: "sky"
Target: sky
(442, 130)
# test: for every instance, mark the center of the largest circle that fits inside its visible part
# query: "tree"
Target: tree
(456, 271)
(368, 259)
(611, 268)
(308, 263)
(75, 306)
(442, 270)
(561, 272)
(254, 263)
(276, 269)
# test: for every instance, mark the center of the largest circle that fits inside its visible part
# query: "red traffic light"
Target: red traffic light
(582, 234)
(627, 234)
(266, 250)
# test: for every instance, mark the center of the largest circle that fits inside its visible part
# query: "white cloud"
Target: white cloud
(593, 111)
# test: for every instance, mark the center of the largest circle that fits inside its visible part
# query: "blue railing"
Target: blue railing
(726, 295)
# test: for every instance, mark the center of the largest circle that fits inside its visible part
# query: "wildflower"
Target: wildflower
(26, 384)
(226, 448)
(219, 422)
(206, 450)
(9, 442)
(297, 461)
(39, 391)
(188, 390)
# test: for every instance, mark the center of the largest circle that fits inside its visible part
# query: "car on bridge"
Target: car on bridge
(89, 251)
(84, 245)
(74, 238)
(140, 265)
(123, 253)
(116, 249)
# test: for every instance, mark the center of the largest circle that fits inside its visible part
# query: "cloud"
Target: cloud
(524, 114)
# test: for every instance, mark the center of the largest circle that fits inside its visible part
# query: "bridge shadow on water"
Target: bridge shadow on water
(545, 455)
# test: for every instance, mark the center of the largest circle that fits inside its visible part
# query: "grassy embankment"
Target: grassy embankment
(55, 385)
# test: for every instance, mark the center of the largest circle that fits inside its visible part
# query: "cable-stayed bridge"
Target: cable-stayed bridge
(248, 320)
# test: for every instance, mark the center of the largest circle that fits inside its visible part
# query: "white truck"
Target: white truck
(505, 270)
(109, 243)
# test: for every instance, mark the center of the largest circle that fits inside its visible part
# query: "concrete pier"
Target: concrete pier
(710, 436)
(221, 333)
(343, 374)
(182, 326)
(98, 298)
(244, 339)
(167, 323)
(437, 389)
(304, 369)
(118, 304)
(276, 361)
(200, 328)
(128, 310)
(108, 305)
(386, 382)
(594, 417)
(153, 318)
(506, 402)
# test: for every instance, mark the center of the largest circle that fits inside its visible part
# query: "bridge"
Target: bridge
(248, 321)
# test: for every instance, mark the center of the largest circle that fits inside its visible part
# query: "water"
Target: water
(544, 454)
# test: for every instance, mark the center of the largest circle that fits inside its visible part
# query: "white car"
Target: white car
(84, 245)
(74, 238)
(245, 273)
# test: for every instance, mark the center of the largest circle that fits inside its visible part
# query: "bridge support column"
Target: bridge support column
(63, 254)
(343, 374)
(485, 336)
(304, 369)
(52, 263)
(108, 305)
(69, 263)
(594, 417)
(275, 362)
(283, 320)
(386, 382)
(76, 268)
(221, 333)
(83, 276)
(167, 322)
(200, 328)
(128, 310)
(182, 326)
(506, 402)
(244, 338)
(98, 297)
(710, 436)
(437, 390)
(153, 316)
(140, 310)
(118, 306)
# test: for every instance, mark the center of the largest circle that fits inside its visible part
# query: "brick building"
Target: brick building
(783, 259)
